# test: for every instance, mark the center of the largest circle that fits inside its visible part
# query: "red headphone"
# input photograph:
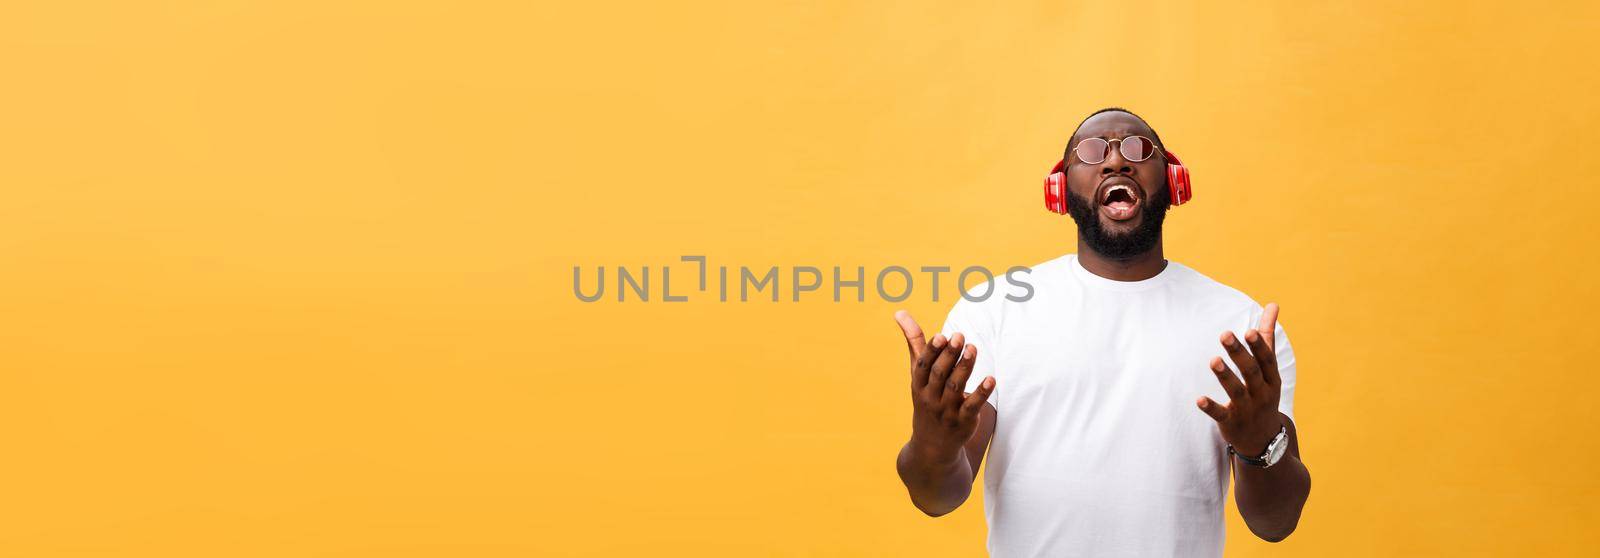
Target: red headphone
(1055, 185)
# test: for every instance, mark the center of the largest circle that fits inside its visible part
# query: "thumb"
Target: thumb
(1269, 324)
(913, 332)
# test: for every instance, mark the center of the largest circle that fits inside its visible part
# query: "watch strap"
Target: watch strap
(1282, 437)
(1255, 461)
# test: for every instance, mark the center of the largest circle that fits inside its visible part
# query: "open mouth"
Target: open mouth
(1119, 201)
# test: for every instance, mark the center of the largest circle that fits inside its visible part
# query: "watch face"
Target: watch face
(1279, 446)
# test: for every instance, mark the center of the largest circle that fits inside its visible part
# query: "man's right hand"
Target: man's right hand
(943, 416)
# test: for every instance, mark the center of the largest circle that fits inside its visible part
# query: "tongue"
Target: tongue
(1120, 205)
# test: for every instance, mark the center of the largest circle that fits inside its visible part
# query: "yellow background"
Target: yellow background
(294, 278)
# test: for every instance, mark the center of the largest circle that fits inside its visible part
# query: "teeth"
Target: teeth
(1113, 190)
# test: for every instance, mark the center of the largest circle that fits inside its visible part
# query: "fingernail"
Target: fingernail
(1228, 339)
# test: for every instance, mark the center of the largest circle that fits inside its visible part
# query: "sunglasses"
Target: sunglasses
(1133, 148)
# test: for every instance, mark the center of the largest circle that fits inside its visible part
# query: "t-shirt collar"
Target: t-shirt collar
(1089, 279)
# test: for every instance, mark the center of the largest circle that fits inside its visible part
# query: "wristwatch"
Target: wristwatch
(1274, 452)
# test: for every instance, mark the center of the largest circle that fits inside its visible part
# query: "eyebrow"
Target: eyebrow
(1125, 133)
(1106, 136)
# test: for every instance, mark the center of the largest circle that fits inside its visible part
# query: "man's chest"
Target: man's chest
(1103, 371)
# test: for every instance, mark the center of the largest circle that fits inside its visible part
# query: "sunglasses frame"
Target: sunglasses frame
(1154, 148)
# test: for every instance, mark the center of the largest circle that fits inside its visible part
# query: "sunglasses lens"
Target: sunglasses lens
(1092, 150)
(1136, 148)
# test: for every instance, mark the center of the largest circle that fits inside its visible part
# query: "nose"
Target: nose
(1115, 163)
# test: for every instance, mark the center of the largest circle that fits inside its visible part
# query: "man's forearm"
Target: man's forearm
(1271, 499)
(938, 484)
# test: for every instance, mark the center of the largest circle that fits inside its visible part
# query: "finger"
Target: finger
(923, 366)
(1230, 383)
(957, 383)
(942, 366)
(1242, 360)
(1212, 409)
(912, 331)
(1269, 323)
(975, 400)
(1265, 358)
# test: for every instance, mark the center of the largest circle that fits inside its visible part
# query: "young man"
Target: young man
(1106, 408)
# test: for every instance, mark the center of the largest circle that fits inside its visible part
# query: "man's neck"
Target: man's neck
(1136, 268)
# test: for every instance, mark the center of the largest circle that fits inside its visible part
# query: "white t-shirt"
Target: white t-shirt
(1099, 449)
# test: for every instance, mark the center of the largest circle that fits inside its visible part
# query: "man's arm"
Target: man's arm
(938, 488)
(1269, 499)
(950, 430)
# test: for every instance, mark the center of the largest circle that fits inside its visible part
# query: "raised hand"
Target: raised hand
(1250, 419)
(943, 416)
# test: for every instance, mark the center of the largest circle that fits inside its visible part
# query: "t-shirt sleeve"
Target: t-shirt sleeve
(1286, 371)
(974, 322)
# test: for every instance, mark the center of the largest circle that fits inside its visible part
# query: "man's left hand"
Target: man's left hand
(1250, 419)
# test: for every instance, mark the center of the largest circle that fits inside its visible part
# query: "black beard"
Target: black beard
(1120, 246)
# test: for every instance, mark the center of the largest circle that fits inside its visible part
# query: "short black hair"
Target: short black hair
(1071, 139)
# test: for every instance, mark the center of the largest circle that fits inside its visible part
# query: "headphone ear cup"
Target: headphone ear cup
(1178, 180)
(1178, 183)
(1055, 188)
(1055, 192)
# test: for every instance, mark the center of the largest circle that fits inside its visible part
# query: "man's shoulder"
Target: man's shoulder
(1054, 266)
(1012, 285)
(1202, 286)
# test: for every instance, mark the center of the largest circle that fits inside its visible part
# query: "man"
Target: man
(1106, 408)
